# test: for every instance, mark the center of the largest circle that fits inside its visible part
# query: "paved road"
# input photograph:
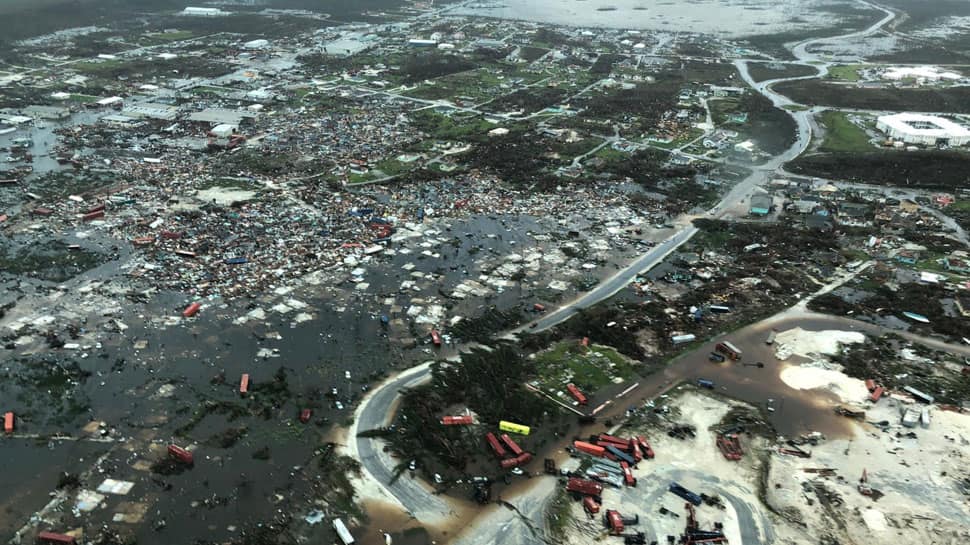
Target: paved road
(375, 412)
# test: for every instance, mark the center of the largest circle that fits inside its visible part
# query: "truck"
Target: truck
(584, 487)
(729, 350)
(678, 490)
(576, 393)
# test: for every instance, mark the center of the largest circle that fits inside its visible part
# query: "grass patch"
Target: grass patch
(844, 72)
(842, 135)
(589, 368)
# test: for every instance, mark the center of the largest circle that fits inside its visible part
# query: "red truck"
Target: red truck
(584, 487)
(577, 395)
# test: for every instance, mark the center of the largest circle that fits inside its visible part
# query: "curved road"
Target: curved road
(376, 410)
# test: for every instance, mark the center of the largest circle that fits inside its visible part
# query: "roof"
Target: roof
(924, 125)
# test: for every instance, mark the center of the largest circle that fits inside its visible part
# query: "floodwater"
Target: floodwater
(698, 16)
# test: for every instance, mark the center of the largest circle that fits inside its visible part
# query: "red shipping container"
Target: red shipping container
(870, 384)
(590, 505)
(191, 310)
(589, 448)
(93, 209)
(8, 422)
(244, 384)
(513, 446)
(464, 420)
(143, 241)
(876, 394)
(578, 395)
(51, 537)
(497, 447)
(171, 235)
(93, 216)
(181, 454)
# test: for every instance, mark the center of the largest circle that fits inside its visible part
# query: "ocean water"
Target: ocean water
(728, 18)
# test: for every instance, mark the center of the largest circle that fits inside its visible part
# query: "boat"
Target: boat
(917, 317)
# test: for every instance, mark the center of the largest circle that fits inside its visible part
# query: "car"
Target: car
(517, 471)
(339, 405)
(413, 465)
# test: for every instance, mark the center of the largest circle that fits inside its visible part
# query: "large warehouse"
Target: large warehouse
(928, 130)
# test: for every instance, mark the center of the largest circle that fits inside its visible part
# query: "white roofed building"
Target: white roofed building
(922, 129)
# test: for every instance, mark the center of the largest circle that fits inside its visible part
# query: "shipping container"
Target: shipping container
(143, 241)
(590, 505)
(870, 384)
(578, 395)
(876, 394)
(628, 477)
(679, 490)
(619, 455)
(645, 447)
(185, 253)
(435, 337)
(181, 454)
(512, 427)
(244, 384)
(93, 216)
(171, 235)
(342, 532)
(8, 422)
(924, 397)
(584, 487)
(52, 537)
(93, 209)
(588, 448)
(463, 420)
(305, 415)
(618, 441)
(729, 350)
(614, 522)
(191, 310)
(497, 447)
(513, 446)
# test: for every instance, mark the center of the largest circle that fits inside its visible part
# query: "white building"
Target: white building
(919, 73)
(204, 12)
(927, 130)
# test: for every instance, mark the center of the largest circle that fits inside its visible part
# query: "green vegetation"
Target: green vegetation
(559, 515)
(845, 72)
(452, 127)
(842, 135)
(589, 368)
